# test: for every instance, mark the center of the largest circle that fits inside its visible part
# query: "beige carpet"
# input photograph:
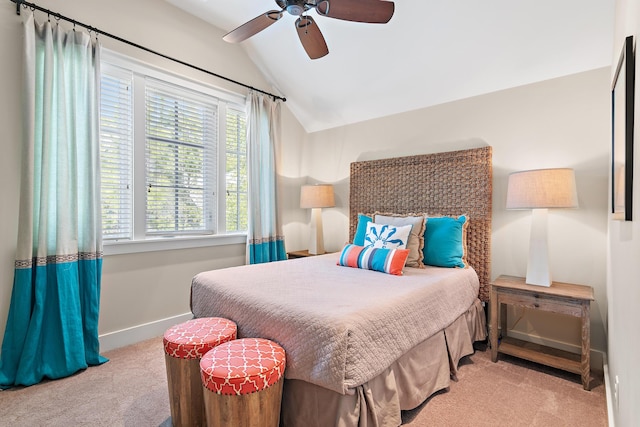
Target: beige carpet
(513, 392)
(131, 390)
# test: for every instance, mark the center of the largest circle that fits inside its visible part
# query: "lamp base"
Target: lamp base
(538, 272)
(316, 240)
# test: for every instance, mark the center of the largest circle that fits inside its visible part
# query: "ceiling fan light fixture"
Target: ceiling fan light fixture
(295, 9)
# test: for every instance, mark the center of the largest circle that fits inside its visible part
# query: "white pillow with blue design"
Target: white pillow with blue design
(387, 236)
(416, 237)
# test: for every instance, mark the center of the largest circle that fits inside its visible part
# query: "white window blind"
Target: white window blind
(181, 139)
(236, 170)
(169, 145)
(116, 144)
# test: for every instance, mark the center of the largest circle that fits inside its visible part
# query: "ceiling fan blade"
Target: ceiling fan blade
(311, 37)
(370, 11)
(252, 27)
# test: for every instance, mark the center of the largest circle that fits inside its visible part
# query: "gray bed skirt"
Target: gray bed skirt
(416, 375)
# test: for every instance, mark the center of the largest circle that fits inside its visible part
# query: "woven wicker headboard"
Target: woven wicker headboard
(450, 183)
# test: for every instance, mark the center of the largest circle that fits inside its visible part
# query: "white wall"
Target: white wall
(138, 290)
(10, 118)
(557, 123)
(623, 284)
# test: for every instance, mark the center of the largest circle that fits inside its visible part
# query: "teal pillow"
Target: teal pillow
(361, 229)
(445, 242)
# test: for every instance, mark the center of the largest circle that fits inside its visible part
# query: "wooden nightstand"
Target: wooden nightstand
(299, 254)
(302, 254)
(563, 298)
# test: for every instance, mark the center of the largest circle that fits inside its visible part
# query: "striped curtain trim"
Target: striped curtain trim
(269, 239)
(57, 259)
(268, 251)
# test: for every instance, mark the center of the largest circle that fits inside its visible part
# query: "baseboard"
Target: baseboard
(597, 359)
(608, 391)
(135, 334)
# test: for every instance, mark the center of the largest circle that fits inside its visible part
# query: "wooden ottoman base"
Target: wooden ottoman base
(185, 392)
(259, 409)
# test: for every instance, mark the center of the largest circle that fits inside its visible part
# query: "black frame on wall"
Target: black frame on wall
(622, 115)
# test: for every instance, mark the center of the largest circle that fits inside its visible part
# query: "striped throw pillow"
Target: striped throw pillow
(390, 261)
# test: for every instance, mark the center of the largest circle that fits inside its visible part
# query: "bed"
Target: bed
(362, 345)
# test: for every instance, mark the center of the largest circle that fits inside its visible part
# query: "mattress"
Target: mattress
(339, 326)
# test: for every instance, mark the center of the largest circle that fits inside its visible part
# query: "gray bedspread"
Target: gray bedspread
(339, 326)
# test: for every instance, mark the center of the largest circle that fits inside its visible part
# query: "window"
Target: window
(181, 139)
(169, 148)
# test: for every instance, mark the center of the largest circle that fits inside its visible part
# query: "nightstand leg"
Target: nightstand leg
(503, 321)
(493, 324)
(585, 365)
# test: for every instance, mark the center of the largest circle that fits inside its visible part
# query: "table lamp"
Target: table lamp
(540, 190)
(316, 197)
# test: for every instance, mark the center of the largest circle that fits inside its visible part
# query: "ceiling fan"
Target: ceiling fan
(368, 11)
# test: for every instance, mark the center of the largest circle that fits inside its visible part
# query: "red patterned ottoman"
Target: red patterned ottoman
(242, 382)
(184, 346)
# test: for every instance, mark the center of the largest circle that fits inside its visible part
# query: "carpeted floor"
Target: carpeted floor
(513, 392)
(131, 390)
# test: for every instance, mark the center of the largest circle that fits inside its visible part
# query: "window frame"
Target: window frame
(140, 241)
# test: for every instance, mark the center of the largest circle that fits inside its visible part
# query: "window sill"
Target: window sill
(171, 243)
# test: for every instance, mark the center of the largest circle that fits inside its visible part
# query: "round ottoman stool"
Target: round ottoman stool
(242, 382)
(184, 346)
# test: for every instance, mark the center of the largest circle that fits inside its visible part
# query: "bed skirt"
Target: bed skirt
(416, 375)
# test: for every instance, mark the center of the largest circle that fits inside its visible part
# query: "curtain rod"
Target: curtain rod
(58, 16)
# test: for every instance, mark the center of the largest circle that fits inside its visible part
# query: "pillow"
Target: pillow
(387, 236)
(361, 229)
(390, 261)
(416, 237)
(445, 241)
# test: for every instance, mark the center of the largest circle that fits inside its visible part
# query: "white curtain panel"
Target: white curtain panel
(52, 328)
(265, 241)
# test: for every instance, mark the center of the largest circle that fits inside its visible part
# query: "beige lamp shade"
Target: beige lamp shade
(542, 189)
(317, 196)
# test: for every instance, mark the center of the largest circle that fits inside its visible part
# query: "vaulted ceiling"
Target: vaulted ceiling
(431, 52)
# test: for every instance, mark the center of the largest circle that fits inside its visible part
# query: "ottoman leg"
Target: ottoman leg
(185, 392)
(259, 409)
